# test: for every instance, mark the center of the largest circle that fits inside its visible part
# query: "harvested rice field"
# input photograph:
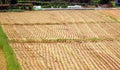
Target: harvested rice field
(3, 64)
(114, 14)
(64, 39)
(54, 17)
(68, 56)
(69, 31)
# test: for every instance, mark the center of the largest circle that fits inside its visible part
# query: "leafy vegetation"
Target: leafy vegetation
(12, 62)
(113, 3)
(4, 1)
(104, 1)
(12, 10)
(95, 1)
(14, 1)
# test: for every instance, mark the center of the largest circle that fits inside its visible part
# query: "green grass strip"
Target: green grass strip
(12, 62)
(61, 40)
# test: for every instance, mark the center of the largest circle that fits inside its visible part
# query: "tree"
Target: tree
(13, 1)
(104, 1)
(95, 1)
(3, 1)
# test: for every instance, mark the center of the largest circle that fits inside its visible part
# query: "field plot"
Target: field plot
(70, 31)
(3, 64)
(68, 56)
(26, 32)
(53, 17)
(115, 14)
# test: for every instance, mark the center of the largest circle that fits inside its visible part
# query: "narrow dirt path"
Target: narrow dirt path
(3, 64)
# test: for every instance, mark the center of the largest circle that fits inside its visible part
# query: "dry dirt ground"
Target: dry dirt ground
(3, 64)
(24, 29)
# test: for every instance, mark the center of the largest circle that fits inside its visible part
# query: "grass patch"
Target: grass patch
(12, 62)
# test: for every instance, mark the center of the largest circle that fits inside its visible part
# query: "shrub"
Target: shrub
(12, 10)
(113, 3)
(46, 6)
(64, 6)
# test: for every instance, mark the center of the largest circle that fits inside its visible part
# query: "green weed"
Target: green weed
(12, 62)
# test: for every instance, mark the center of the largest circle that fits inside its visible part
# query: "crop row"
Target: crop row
(71, 31)
(68, 56)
